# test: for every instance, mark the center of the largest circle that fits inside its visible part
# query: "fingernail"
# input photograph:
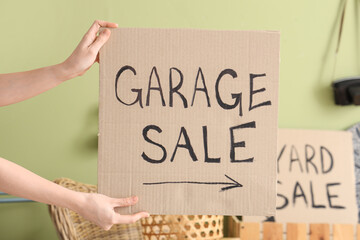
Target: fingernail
(134, 198)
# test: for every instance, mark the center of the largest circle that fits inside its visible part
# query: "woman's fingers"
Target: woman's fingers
(98, 24)
(90, 36)
(100, 40)
(124, 202)
(126, 219)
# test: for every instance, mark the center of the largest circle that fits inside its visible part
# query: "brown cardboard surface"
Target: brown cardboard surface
(316, 182)
(196, 175)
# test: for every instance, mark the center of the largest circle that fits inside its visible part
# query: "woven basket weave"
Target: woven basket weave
(71, 226)
(177, 227)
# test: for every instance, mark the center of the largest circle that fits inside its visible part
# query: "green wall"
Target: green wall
(54, 134)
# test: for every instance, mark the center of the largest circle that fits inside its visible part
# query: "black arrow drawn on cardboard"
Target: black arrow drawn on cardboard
(233, 183)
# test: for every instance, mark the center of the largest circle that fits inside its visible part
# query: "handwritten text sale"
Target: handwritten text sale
(142, 98)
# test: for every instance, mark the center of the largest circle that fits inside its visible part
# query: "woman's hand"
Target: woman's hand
(100, 210)
(86, 53)
(16, 87)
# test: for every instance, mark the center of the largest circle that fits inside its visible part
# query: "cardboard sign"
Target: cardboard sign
(355, 130)
(188, 120)
(316, 182)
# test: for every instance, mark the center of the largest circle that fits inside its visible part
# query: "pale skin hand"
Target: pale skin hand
(97, 208)
(16, 180)
(16, 87)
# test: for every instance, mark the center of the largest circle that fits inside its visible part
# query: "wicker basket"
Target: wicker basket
(71, 226)
(164, 227)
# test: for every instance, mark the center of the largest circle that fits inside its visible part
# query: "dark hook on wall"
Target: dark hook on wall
(347, 91)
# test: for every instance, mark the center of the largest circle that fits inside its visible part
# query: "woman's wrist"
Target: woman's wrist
(75, 201)
(63, 72)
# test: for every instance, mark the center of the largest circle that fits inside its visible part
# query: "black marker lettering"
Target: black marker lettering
(239, 144)
(187, 145)
(313, 204)
(138, 91)
(253, 92)
(236, 96)
(294, 159)
(310, 158)
(329, 196)
(154, 88)
(285, 202)
(322, 157)
(207, 158)
(146, 157)
(297, 195)
(204, 89)
(176, 89)
(279, 157)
